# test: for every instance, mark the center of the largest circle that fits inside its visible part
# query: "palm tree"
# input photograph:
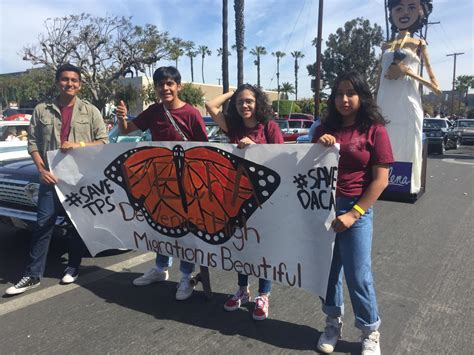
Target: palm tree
(239, 39)
(258, 51)
(204, 50)
(176, 49)
(278, 55)
(296, 55)
(287, 88)
(191, 53)
(225, 49)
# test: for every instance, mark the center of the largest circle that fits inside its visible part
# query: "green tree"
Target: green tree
(286, 107)
(203, 50)
(258, 51)
(239, 39)
(105, 48)
(191, 94)
(352, 47)
(286, 89)
(296, 55)
(463, 84)
(28, 89)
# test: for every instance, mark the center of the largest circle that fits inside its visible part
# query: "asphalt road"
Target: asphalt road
(422, 262)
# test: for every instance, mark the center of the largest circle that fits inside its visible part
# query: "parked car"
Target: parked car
(299, 116)
(462, 131)
(15, 127)
(293, 128)
(19, 184)
(21, 114)
(436, 131)
(307, 138)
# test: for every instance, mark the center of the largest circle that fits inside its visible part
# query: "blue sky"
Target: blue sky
(285, 25)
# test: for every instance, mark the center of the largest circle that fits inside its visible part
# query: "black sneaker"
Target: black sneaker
(26, 283)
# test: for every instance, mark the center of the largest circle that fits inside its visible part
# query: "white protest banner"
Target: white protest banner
(264, 210)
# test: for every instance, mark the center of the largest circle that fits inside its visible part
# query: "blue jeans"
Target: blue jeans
(164, 262)
(48, 209)
(352, 253)
(264, 285)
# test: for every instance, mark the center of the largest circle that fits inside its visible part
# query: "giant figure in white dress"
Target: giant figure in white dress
(398, 96)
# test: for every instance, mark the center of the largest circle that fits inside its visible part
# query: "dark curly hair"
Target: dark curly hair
(426, 6)
(263, 109)
(368, 112)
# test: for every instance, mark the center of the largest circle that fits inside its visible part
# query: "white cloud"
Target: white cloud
(276, 24)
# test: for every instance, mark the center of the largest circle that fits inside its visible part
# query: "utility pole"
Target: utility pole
(421, 64)
(454, 79)
(317, 88)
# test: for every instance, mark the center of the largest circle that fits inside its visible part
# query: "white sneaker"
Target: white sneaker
(185, 290)
(370, 342)
(70, 275)
(332, 333)
(152, 275)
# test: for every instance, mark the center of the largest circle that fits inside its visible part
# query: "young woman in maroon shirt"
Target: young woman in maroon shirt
(354, 122)
(247, 121)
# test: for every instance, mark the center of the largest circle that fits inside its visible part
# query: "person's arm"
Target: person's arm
(124, 126)
(213, 107)
(371, 194)
(46, 176)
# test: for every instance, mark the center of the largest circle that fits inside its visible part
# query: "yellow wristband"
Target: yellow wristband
(82, 144)
(359, 209)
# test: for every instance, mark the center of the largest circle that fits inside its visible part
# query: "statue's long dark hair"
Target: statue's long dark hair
(368, 112)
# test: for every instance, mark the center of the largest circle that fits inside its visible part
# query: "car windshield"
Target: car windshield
(434, 124)
(466, 124)
(282, 124)
(294, 124)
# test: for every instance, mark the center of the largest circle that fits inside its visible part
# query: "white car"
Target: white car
(16, 147)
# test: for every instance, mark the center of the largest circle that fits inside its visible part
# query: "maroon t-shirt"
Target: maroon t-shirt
(66, 117)
(359, 152)
(258, 134)
(188, 119)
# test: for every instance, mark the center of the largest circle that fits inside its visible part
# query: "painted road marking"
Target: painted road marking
(454, 161)
(29, 299)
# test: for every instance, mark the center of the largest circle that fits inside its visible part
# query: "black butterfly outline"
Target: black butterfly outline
(264, 182)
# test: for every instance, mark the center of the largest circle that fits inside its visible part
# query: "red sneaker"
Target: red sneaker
(241, 297)
(261, 308)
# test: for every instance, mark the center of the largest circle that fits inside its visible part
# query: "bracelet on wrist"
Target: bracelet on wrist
(359, 209)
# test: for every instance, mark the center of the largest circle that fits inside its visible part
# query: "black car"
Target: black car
(436, 131)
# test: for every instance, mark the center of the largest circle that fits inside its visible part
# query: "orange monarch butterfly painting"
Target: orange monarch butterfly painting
(204, 190)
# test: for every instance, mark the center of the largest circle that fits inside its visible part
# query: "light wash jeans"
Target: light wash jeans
(352, 255)
(164, 262)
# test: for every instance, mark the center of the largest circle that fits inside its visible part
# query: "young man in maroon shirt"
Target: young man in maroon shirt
(167, 81)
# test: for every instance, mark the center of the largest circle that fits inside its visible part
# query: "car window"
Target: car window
(282, 124)
(307, 124)
(294, 124)
(466, 124)
(434, 124)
